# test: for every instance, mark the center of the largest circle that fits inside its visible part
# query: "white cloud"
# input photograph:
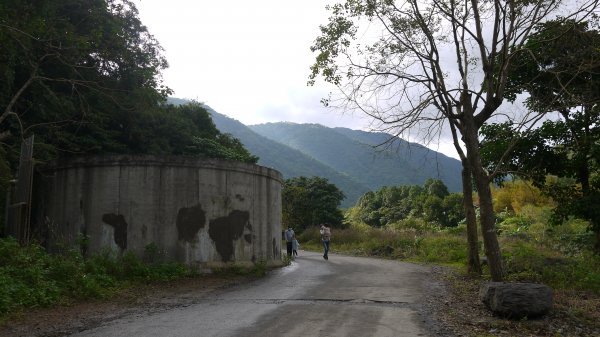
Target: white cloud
(246, 59)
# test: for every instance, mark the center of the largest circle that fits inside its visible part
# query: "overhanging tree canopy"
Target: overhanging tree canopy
(77, 73)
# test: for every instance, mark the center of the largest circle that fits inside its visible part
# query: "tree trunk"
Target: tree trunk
(597, 244)
(473, 264)
(488, 229)
(487, 217)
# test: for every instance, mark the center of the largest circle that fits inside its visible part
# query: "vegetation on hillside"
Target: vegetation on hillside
(308, 202)
(85, 78)
(533, 249)
(373, 159)
(395, 205)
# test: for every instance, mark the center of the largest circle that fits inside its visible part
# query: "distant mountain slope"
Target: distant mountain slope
(352, 152)
(288, 161)
(347, 158)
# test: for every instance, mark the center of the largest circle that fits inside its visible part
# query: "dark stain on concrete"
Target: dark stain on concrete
(253, 258)
(225, 230)
(274, 248)
(248, 238)
(189, 221)
(117, 221)
(239, 197)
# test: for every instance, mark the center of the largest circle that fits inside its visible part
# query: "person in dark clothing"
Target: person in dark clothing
(325, 232)
(289, 238)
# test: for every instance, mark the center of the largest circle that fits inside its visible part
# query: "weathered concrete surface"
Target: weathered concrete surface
(198, 211)
(345, 296)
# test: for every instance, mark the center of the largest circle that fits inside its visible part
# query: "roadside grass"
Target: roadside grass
(526, 259)
(30, 277)
(410, 244)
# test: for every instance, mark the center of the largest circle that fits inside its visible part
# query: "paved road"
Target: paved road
(345, 296)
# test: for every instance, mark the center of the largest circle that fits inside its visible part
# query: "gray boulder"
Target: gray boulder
(516, 300)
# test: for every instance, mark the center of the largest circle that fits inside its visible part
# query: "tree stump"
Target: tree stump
(516, 300)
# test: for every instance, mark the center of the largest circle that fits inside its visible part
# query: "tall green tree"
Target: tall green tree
(561, 74)
(77, 73)
(309, 202)
(85, 77)
(432, 64)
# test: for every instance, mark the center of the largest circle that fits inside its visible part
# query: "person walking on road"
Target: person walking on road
(325, 237)
(289, 237)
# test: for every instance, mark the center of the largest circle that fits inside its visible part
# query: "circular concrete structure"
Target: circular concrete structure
(204, 212)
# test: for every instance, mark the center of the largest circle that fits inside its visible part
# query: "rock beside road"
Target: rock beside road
(516, 300)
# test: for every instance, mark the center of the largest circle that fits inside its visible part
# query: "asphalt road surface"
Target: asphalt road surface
(344, 296)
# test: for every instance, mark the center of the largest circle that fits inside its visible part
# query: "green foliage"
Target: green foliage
(559, 71)
(30, 277)
(76, 73)
(418, 224)
(25, 278)
(428, 246)
(307, 202)
(443, 249)
(85, 78)
(557, 67)
(188, 129)
(533, 249)
(530, 262)
(403, 205)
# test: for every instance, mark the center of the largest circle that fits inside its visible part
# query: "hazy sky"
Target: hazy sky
(248, 60)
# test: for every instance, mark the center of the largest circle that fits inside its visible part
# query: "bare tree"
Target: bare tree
(420, 65)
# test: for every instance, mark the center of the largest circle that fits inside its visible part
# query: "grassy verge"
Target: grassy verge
(525, 259)
(30, 277)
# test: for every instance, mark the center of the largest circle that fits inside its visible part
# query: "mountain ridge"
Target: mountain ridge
(347, 158)
(354, 153)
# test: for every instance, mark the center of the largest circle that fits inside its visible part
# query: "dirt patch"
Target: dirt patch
(140, 300)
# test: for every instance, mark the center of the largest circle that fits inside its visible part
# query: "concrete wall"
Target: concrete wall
(198, 211)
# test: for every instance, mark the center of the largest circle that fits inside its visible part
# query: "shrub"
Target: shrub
(415, 223)
(442, 248)
(30, 277)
